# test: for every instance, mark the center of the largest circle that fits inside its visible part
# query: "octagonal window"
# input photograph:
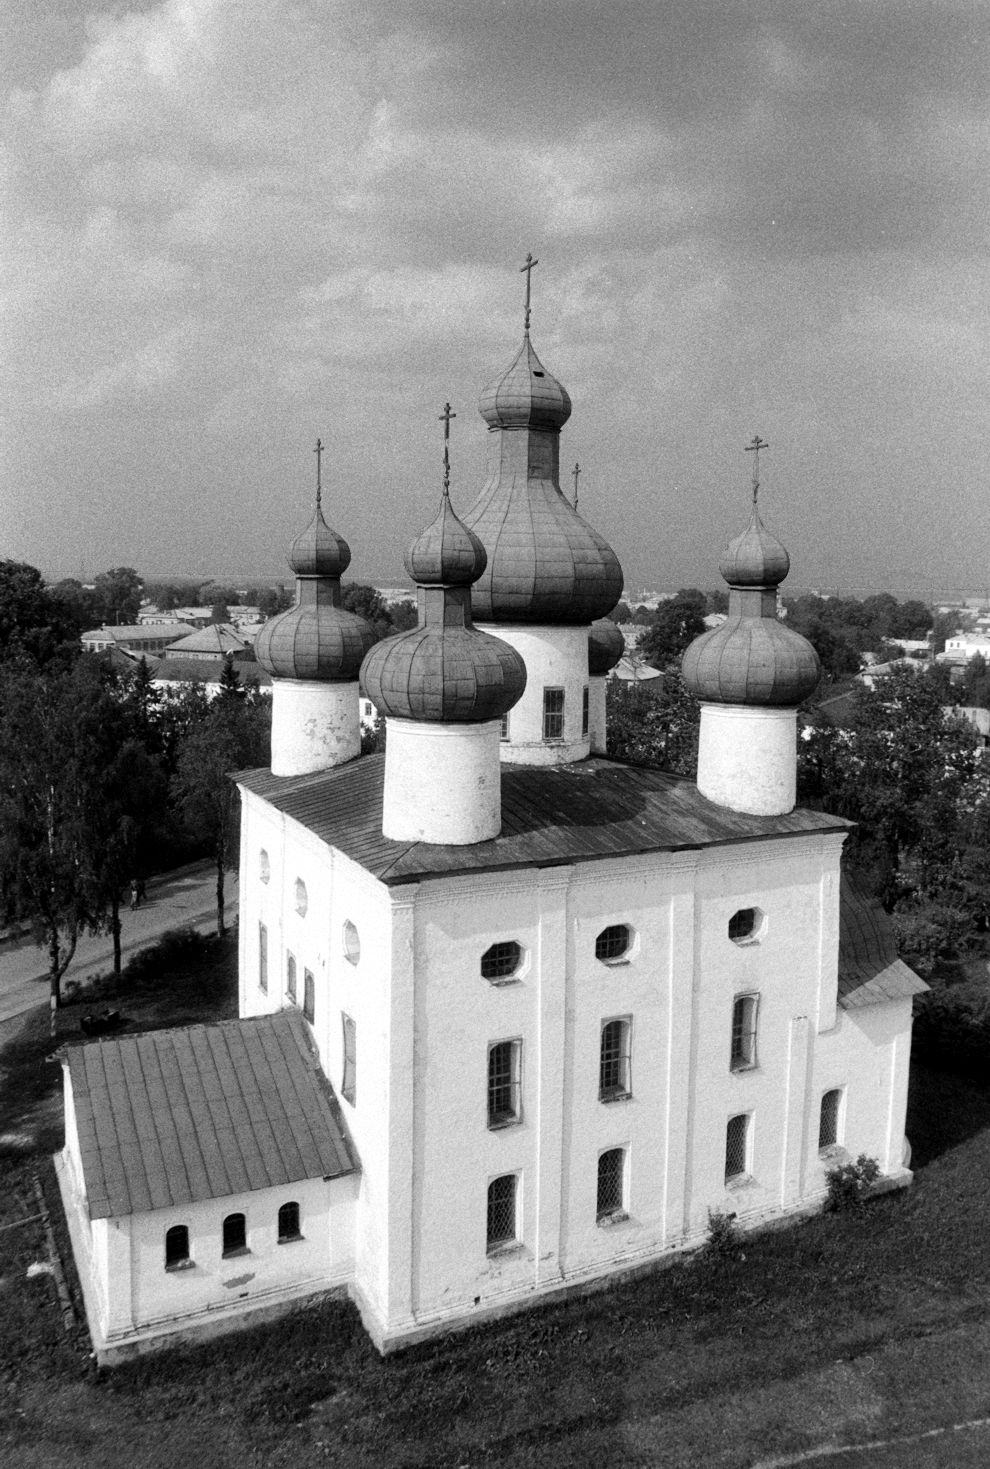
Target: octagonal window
(614, 943)
(502, 961)
(746, 925)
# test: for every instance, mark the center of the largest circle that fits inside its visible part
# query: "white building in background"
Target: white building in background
(514, 1017)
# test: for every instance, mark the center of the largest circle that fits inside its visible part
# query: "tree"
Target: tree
(219, 612)
(403, 616)
(37, 629)
(676, 623)
(273, 600)
(945, 624)
(366, 602)
(621, 613)
(651, 725)
(118, 595)
(231, 686)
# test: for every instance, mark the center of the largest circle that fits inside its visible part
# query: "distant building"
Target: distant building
(217, 640)
(143, 637)
(961, 647)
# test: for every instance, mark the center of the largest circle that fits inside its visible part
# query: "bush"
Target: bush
(849, 1184)
(179, 948)
(723, 1237)
(952, 1029)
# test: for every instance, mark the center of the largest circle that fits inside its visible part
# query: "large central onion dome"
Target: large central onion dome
(316, 639)
(753, 657)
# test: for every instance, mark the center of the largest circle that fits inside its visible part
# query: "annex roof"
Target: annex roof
(870, 971)
(177, 1116)
(551, 817)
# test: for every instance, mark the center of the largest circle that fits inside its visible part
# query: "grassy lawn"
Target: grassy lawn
(845, 1329)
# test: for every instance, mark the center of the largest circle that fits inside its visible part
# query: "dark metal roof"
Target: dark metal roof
(551, 816)
(869, 968)
(176, 1116)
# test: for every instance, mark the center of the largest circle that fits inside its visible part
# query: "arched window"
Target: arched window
(501, 1212)
(613, 1067)
(177, 1246)
(288, 1223)
(611, 1178)
(264, 866)
(302, 898)
(828, 1122)
(352, 943)
(743, 1054)
(234, 1234)
(309, 995)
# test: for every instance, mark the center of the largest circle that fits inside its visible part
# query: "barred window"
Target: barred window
(176, 1246)
(263, 957)
(613, 1067)
(613, 942)
(501, 1211)
(585, 702)
(737, 1147)
(234, 1234)
(611, 1179)
(288, 1223)
(504, 1067)
(501, 960)
(743, 1053)
(348, 1081)
(828, 1124)
(745, 925)
(503, 728)
(553, 714)
(309, 995)
(290, 977)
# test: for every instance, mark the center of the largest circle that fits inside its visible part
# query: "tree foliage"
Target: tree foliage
(675, 624)
(118, 594)
(654, 723)
(37, 627)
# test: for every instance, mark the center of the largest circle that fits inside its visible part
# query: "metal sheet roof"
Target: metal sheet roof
(870, 970)
(550, 817)
(177, 1116)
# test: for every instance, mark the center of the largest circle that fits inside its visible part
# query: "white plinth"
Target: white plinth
(442, 782)
(597, 732)
(555, 658)
(747, 758)
(314, 725)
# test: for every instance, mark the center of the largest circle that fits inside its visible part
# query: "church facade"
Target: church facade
(515, 1018)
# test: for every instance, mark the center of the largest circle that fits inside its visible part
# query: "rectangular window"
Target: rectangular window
(504, 1068)
(611, 1184)
(828, 1122)
(348, 1079)
(503, 729)
(263, 957)
(585, 705)
(553, 714)
(613, 1066)
(502, 1212)
(290, 978)
(737, 1147)
(743, 1054)
(309, 995)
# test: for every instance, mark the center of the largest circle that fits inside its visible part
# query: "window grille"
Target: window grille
(743, 924)
(348, 1080)
(743, 1032)
(585, 703)
(613, 1069)
(503, 728)
(288, 1222)
(553, 714)
(610, 1181)
(352, 943)
(501, 960)
(234, 1234)
(263, 957)
(504, 1059)
(736, 1145)
(309, 995)
(290, 977)
(613, 942)
(176, 1246)
(501, 1211)
(828, 1125)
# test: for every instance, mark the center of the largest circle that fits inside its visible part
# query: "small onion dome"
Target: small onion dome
(754, 559)
(445, 675)
(315, 639)
(525, 395)
(545, 564)
(751, 660)
(606, 646)
(319, 551)
(446, 553)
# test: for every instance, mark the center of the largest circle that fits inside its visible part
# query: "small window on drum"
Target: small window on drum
(746, 926)
(614, 943)
(352, 943)
(302, 898)
(501, 962)
(264, 866)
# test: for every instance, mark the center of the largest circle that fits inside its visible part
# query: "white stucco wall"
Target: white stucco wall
(315, 725)
(442, 782)
(747, 758)
(555, 657)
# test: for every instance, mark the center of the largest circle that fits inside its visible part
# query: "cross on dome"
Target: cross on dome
(574, 475)
(754, 449)
(445, 417)
(318, 451)
(528, 268)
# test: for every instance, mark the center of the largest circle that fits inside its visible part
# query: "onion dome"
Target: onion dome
(316, 638)
(444, 671)
(606, 646)
(753, 657)
(525, 395)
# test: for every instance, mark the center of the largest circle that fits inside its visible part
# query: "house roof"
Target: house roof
(131, 632)
(869, 968)
(209, 670)
(551, 816)
(218, 637)
(177, 1116)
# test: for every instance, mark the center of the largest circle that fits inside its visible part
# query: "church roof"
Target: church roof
(551, 817)
(178, 1116)
(870, 970)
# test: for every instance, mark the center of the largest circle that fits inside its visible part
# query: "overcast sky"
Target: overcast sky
(234, 225)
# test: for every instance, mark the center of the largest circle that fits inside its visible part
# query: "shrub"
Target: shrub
(849, 1184)
(723, 1237)
(179, 948)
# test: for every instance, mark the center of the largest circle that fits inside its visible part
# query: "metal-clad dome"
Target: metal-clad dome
(446, 553)
(443, 674)
(606, 646)
(754, 559)
(751, 660)
(525, 395)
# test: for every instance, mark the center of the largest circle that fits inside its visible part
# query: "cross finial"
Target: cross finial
(529, 267)
(754, 449)
(445, 417)
(574, 474)
(318, 451)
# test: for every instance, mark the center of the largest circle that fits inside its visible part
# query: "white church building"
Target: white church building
(514, 1017)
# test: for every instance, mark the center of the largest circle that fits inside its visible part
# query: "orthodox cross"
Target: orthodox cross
(574, 473)
(529, 267)
(754, 449)
(445, 418)
(318, 451)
